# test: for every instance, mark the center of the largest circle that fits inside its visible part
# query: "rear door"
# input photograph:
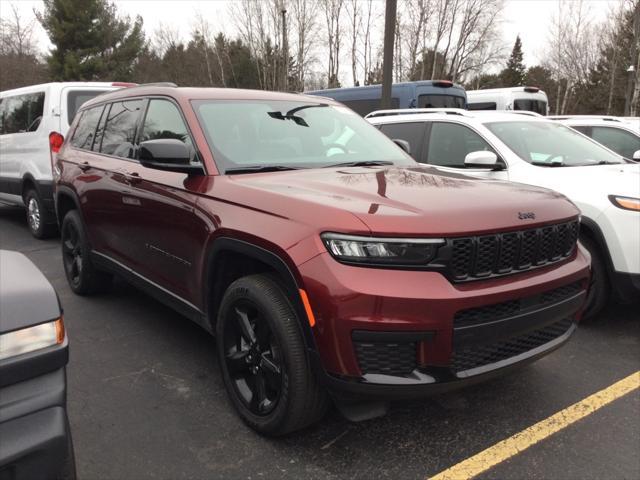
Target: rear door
(447, 145)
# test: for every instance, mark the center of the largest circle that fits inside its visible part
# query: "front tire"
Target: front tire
(599, 289)
(263, 358)
(83, 277)
(38, 220)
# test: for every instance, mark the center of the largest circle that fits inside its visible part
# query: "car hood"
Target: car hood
(583, 183)
(389, 200)
(26, 296)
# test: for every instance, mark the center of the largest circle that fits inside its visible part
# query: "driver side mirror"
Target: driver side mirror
(167, 154)
(482, 159)
(403, 144)
(636, 155)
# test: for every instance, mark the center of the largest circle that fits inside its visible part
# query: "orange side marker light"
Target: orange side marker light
(307, 307)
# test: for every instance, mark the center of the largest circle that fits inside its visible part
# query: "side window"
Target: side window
(620, 141)
(163, 120)
(582, 129)
(120, 131)
(411, 132)
(450, 143)
(366, 106)
(2, 104)
(482, 106)
(23, 113)
(85, 132)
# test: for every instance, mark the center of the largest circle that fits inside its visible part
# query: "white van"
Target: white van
(530, 99)
(33, 123)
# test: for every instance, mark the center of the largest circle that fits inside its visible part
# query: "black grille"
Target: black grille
(477, 356)
(500, 254)
(386, 358)
(498, 311)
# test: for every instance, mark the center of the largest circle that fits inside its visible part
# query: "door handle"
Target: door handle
(84, 166)
(132, 178)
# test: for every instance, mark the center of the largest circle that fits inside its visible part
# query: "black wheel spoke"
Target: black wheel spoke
(237, 361)
(271, 371)
(245, 325)
(259, 400)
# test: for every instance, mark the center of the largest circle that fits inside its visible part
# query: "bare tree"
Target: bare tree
(17, 35)
(354, 12)
(332, 11)
(367, 30)
(416, 26)
(304, 25)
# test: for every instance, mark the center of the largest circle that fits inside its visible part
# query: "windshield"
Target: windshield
(538, 106)
(551, 144)
(262, 133)
(440, 101)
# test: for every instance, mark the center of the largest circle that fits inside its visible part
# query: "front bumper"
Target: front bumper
(34, 428)
(447, 348)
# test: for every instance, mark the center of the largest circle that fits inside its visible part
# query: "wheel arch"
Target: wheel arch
(590, 229)
(229, 258)
(65, 200)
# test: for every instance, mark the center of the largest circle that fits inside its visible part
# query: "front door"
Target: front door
(447, 145)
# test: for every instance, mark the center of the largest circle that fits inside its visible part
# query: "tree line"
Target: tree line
(299, 45)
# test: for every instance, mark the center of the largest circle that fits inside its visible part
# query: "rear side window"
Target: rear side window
(440, 101)
(76, 98)
(163, 120)
(22, 113)
(537, 106)
(84, 135)
(120, 130)
(616, 139)
(450, 143)
(482, 106)
(410, 132)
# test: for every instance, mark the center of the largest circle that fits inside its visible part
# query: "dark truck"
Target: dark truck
(35, 440)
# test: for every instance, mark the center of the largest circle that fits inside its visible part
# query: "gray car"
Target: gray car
(34, 428)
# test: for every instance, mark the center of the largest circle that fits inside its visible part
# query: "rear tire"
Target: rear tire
(38, 220)
(599, 288)
(83, 277)
(263, 358)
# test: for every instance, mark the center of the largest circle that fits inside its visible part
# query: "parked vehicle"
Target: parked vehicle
(420, 94)
(613, 132)
(530, 99)
(33, 123)
(525, 149)
(34, 429)
(322, 256)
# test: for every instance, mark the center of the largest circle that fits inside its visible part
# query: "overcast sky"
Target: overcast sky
(529, 18)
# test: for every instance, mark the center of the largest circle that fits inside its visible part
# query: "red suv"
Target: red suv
(326, 261)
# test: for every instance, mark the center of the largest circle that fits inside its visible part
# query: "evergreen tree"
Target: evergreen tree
(90, 42)
(513, 75)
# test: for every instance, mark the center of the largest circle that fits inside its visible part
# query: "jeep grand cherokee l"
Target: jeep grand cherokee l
(324, 259)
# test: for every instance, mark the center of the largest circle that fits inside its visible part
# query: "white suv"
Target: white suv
(541, 152)
(33, 123)
(616, 133)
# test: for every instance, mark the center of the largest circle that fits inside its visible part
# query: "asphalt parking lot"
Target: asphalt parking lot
(146, 400)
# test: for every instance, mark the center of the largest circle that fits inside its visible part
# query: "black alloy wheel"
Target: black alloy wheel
(83, 277)
(72, 253)
(263, 358)
(253, 358)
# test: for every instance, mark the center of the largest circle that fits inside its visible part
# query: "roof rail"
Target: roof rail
(158, 84)
(606, 118)
(413, 111)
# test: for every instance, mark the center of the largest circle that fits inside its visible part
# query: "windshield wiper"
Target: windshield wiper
(549, 164)
(259, 168)
(364, 163)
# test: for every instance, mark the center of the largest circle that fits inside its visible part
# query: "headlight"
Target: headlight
(626, 203)
(382, 251)
(30, 339)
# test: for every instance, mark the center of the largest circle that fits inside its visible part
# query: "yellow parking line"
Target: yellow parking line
(519, 442)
